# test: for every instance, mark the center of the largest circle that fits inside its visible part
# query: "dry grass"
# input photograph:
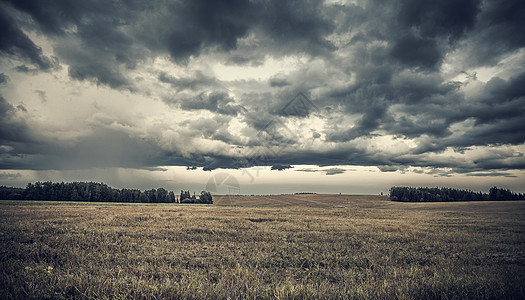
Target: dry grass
(303, 246)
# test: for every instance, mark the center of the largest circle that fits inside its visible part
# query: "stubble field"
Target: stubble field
(278, 247)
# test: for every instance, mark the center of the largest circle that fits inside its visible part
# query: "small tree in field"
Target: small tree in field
(206, 198)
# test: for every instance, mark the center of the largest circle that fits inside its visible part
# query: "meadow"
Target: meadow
(264, 247)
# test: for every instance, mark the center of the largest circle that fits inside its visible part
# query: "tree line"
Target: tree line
(425, 194)
(97, 192)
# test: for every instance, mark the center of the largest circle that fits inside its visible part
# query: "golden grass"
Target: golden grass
(278, 247)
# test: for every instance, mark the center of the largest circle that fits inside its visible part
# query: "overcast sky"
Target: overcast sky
(263, 96)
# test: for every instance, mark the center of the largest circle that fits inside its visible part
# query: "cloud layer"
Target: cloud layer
(232, 84)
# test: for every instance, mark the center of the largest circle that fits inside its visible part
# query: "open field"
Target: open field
(278, 247)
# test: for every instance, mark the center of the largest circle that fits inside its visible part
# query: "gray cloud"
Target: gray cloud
(3, 78)
(41, 94)
(102, 148)
(335, 171)
(199, 81)
(492, 174)
(9, 176)
(331, 171)
(281, 167)
(278, 81)
(218, 102)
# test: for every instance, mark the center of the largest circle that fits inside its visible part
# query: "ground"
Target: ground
(278, 247)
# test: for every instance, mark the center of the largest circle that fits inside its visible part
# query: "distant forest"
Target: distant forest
(97, 192)
(425, 194)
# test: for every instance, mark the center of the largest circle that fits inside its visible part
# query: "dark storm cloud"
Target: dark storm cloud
(88, 37)
(12, 129)
(297, 24)
(102, 52)
(218, 102)
(206, 162)
(331, 171)
(499, 91)
(281, 167)
(202, 24)
(362, 128)
(15, 43)
(417, 88)
(191, 27)
(506, 19)
(55, 16)
(341, 155)
(416, 44)
(437, 18)
(417, 52)
(99, 40)
(498, 114)
(390, 168)
(382, 66)
(499, 31)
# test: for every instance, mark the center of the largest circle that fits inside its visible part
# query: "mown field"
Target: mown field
(264, 247)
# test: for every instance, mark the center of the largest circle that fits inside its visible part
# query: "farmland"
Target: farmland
(278, 247)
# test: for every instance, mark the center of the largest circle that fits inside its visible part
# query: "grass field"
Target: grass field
(267, 247)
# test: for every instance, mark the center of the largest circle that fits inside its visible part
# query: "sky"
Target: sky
(264, 96)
